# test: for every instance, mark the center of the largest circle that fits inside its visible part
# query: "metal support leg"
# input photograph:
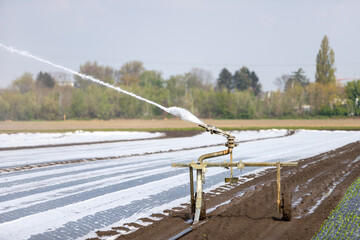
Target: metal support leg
(231, 174)
(278, 187)
(198, 195)
(192, 199)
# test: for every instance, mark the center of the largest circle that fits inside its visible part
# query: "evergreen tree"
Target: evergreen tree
(255, 85)
(245, 80)
(242, 80)
(224, 80)
(300, 77)
(297, 77)
(45, 79)
(325, 70)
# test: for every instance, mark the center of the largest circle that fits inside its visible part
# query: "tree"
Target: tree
(245, 104)
(297, 78)
(280, 82)
(24, 83)
(198, 78)
(103, 73)
(151, 79)
(294, 98)
(224, 105)
(19, 106)
(243, 80)
(255, 85)
(4, 108)
(78, 105)
(352, 91)
(224, 80)
(325, 70)
(176, 87)
(45, 80)
(49, 109)
(130, 72)
(105, 110)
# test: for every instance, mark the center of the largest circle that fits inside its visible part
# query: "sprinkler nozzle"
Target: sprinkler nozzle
(214, 130)
(210, 128)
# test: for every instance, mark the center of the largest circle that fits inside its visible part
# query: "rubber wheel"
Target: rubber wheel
(203, 207)
(286, 206)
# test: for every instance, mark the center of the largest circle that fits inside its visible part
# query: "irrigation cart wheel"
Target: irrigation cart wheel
(286, 206)
(203, 207)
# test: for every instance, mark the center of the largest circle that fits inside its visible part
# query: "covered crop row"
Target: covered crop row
(344, 220)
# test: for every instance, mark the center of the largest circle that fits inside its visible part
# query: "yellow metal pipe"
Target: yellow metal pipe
(234, 164)
(212, 155)
(270, 164)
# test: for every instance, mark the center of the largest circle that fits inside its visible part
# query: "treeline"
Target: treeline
(43, 98)
(232, 95)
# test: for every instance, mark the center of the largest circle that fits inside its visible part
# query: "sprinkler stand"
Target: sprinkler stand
(197, 200)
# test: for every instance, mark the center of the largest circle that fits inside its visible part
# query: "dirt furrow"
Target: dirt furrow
(317, 185)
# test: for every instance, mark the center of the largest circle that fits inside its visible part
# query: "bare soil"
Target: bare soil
(252, 214)
(117, 124)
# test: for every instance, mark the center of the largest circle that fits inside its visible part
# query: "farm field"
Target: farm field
(317, 186)
(22, 140)
(344, 220)
(15, 126)
(122, 186)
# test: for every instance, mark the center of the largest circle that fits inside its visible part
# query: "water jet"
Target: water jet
(176, 111)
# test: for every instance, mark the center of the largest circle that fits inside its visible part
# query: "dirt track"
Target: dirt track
(253, 215)
(68, 125)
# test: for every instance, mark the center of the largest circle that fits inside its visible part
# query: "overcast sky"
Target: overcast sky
(272, 38)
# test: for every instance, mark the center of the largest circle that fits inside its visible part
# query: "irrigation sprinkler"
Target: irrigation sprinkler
(197, 199)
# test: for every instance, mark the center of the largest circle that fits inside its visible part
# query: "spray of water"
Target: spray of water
(176, 111)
